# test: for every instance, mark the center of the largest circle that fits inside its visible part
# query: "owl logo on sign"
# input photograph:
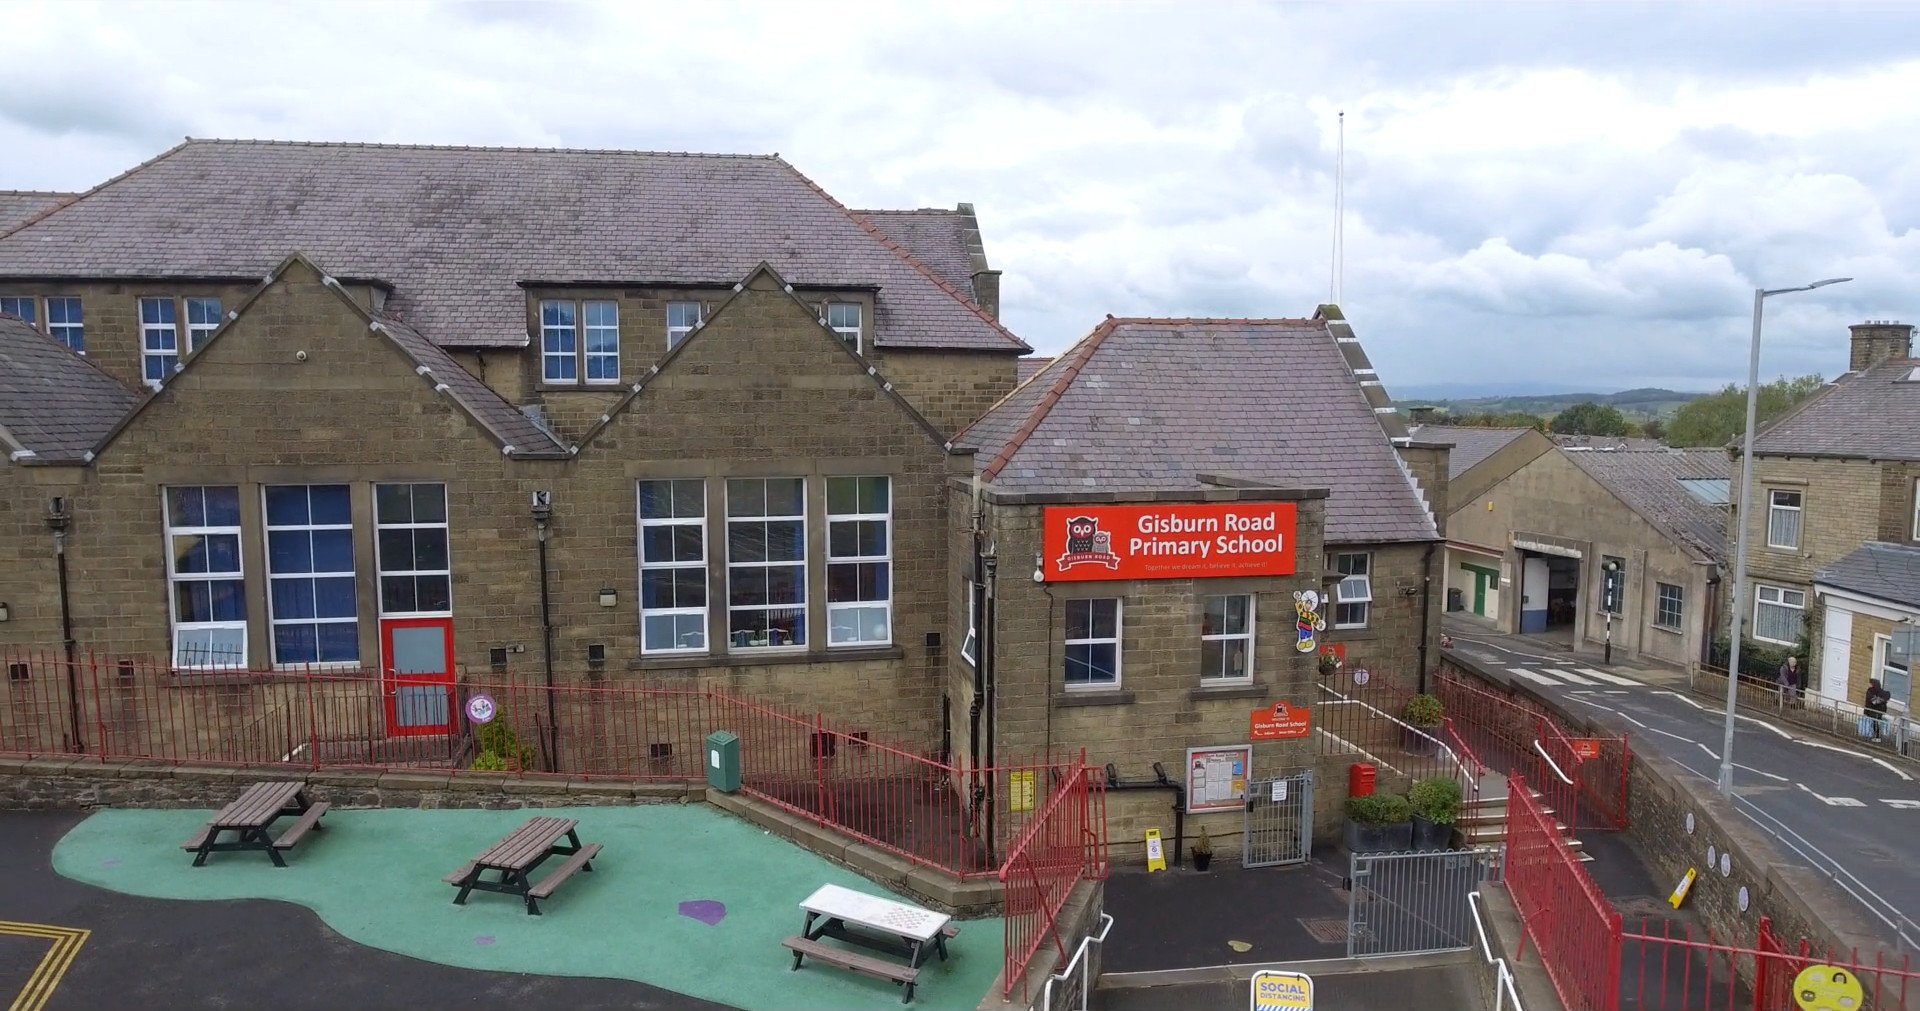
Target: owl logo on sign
(1087, 544)
(1307, 619)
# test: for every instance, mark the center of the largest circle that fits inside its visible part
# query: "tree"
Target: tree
(1654, 429)
(1589, 418)
(1713, 420)
(1512, 419)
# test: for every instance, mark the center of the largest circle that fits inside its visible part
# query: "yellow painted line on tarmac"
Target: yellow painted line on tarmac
(66, 945)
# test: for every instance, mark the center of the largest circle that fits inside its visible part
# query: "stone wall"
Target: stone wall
(952, 388)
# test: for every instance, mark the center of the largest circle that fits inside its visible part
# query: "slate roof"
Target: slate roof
(508, 424)
(1027, 368)
(456, 230)
(1878, 569)
(1648, 481)
(1148, 404)
(1870, 415)
(1605, 442)
(53, 403)
(17, 206)
(1470, 445)
(935, 237)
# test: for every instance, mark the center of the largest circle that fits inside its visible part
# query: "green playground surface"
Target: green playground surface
(375, 877)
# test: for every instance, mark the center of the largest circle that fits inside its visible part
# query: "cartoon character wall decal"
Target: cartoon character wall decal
(1306, 609)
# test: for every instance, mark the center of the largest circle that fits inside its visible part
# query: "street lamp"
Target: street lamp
(1740, 537)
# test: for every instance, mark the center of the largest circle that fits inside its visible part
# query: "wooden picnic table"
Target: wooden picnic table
(514, 859)
(250, 818)
(907, 932)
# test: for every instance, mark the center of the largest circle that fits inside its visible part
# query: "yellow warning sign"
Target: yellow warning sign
(1825, 988)
(1680, 890)
(1282, 991)
(1020, 784)
(1156, 853)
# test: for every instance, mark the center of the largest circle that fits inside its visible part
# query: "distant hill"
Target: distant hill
(1637, 405)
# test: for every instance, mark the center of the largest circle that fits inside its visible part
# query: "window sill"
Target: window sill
(1231, 691)
(1670, 629)
(595, 387)
(1070, 700)
(771, 657)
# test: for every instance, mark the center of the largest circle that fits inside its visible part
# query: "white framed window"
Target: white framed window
(1093, 643)
(1895, 669)
(203, 318)
(208, 599)
(1226, 638)
(1783, 519)
(411, 544)
(673, 566)
(602, 321)
(844, 318)
(1778, 614)
(682, 318)
(19, 305)
(311, 602)
(559, 342)
(766, 562)
(159, 340)
(1669, 606)
(859, 561)
(64, 323)
(970, 646)
(1353, 597)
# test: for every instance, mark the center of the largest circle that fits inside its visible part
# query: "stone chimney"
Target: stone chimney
(1877, 340)
(986, 280)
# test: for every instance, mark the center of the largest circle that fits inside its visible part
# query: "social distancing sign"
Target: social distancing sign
(1282, 991)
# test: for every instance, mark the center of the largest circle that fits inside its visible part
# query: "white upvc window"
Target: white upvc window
(1353, 597)
(1669, 606)
(1226, 638)
(1783, 519)
(311, 600)
(159, 340)
(766, 562)
(208, 598)
(559, 342)
(1778, 614)
(411, 541)
(673, 566)
(1093, 644)
(19, 305)
(1895, 669)
(682, 318)
(844, 318)
(602, 325)
(203, 318)
(859, 561)
(970, 646)
(64, 322)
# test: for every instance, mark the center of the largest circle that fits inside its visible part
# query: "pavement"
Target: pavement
(1835, 807)
(1182, 918)
(1444, 981)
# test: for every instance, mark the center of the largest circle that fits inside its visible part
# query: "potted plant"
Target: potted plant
(1436, 806)
(1422, 733)
(1202, 850)
(1379, 823)
(1329, 665)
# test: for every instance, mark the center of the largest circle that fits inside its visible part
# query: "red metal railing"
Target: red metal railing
(1064, 844)
(1574, 929)
(1513, 735)
(1679, 971)
(954, 818)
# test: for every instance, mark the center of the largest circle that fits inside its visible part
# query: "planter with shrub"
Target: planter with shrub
(1202, 850)
(1436, 806)
(501, 750)
(1379, 823)
(1424, 714)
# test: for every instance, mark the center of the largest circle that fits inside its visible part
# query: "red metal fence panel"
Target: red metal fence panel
(1064, 843)
(1574, 929)
(1515, 735)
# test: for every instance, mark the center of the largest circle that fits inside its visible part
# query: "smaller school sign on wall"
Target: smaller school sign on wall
(1189, 541)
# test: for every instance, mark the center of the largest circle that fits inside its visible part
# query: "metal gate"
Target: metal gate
(1279, 827)
(1403, 903)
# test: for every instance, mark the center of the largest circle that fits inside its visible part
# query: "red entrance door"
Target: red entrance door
(416, 661)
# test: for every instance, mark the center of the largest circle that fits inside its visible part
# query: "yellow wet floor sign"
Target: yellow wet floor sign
(1156, 853)
(1282, 991)
(1825, 988)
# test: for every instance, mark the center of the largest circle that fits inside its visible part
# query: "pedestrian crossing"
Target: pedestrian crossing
(1562, 677)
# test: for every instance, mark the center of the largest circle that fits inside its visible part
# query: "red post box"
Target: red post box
(1360, 780)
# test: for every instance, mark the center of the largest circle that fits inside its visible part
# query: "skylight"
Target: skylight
(1711, 490)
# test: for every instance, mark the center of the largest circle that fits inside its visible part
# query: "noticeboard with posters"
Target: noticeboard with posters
(1217, 778)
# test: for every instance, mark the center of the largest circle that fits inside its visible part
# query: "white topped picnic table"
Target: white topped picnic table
(875, 913)
(907, 932)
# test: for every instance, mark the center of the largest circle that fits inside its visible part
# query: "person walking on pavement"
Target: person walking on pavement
(1876, 707)
(1790, 680)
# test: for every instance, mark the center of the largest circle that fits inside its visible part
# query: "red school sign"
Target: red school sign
(1189, 541)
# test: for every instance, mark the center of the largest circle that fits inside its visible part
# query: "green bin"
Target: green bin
(723, 761)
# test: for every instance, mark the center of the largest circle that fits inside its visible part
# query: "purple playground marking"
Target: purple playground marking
(484, 940)
(115, 862)
(706, 911)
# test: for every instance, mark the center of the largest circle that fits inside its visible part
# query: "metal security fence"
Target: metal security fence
(1404, 903)
(1279, 823)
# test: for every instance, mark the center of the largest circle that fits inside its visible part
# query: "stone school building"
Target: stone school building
(643, 419)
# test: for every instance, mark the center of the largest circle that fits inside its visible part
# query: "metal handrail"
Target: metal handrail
(1503, 987)
(1551, 764)
(1078, 961)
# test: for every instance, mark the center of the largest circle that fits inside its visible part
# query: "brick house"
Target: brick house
(1838, 472)
(1146, 635)
(1870, 614)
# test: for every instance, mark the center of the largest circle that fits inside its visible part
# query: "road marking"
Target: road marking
(1884, 764)
(1902, 803)
(1881, 762)
(1669, 733)
(1510, 652)
(59, 958)
(1539, 679)
(1769, 775)
(1575, 678)
(1737, 716)
(1710, 752)
(1827, 865)
(1609, 678)
(1833, 801)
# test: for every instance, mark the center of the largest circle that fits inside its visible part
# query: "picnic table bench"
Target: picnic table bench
(909, 933)
(251, 815)
(515, 858)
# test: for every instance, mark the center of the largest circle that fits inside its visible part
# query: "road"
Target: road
(1835, 806)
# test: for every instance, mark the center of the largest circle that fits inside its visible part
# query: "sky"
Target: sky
(1539, 197)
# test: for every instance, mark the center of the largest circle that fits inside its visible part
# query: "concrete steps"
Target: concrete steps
(1484, 823)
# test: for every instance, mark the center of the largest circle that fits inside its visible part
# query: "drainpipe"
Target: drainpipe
(542, 514)
(1161, 782)
(1426, 611)
(57, 522)
(990, 564)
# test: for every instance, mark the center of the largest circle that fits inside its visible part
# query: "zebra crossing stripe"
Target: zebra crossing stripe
(1539, 679)
(1562, 672)
(1610, 678)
